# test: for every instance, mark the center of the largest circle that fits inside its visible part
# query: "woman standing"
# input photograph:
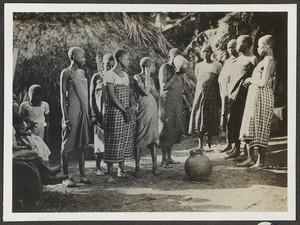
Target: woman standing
(146, 113)
(258, 112)
(205, 114)
(118, 115)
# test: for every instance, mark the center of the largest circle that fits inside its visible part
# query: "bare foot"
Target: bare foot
(248, 162)
(155, 173)
(138, 173)
(165, 165)
(124, 175)
(99, 172)
(257, 166)
(55, 170)
(208, 150)
(84, 180)
(230, 152)
(111, 180)
(240, 158)
(226, 149)
(172, 161)
(233, 155)
(69, 183)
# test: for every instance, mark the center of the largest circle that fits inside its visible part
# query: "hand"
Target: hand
(248, 81)
(128, 114)
(94, 120)
(66, 125)
(30, 125)
(147, 72)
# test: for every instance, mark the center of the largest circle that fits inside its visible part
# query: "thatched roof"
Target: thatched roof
(39, 34)
(43, 40)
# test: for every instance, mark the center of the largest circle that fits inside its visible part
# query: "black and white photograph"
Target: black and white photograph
(164, 112)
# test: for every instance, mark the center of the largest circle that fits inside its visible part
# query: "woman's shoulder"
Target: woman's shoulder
(109, 73)
(217, 64)
(45, 104)
(24, 105)
(270, 59)
(136, 76)
(125, 74)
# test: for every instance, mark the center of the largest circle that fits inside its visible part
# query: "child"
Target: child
(97, 103)
(119, 138)
(26, 137)
(205, 114)
(258, 112)
(146, 113)
(37, 112)
(74, 106)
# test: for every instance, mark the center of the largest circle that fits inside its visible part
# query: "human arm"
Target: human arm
(267, 73)
(46, 124)
(113, 98)
(46, 136)
(64, 78)
(144, 87)
(93, 104)
(154, 90)
(165, 82)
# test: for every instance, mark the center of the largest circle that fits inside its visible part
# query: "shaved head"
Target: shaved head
(146, 61)
(174, 52)
(74, 51)
(107, 57)
(206, 47)
(245, 39)
(231, 43)
(268, 40)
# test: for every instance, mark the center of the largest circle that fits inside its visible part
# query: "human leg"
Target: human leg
(169, 157)
(153, 151)
(261, 157)
(99, 158)
(81, 162)
(65, 162)
(250, 158)
(200, 140)
(236, 150)
(242, 157)
(68, 182)
(227, 148)
(164, 157)
(121, 169)
(137, 162)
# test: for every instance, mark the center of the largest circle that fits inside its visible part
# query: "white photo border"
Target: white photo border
(10, 8)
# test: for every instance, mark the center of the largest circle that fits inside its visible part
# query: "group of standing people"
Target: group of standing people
(247, 99)
(130, 114)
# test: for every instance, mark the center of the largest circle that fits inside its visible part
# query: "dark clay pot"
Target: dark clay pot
(197, 166)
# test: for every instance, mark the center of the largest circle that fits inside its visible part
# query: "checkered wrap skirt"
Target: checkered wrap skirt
(119, 136)
(205, 116)
(260, 119)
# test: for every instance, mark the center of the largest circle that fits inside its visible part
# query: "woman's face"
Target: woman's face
(79, 57)
(262, 48)
(152, 68)
(231, 49)
(35, 96)
(206, 52)
(125, 60)
(108, 65)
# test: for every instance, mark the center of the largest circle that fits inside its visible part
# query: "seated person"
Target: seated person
(26, 149)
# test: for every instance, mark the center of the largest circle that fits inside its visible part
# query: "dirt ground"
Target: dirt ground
(229, 188)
